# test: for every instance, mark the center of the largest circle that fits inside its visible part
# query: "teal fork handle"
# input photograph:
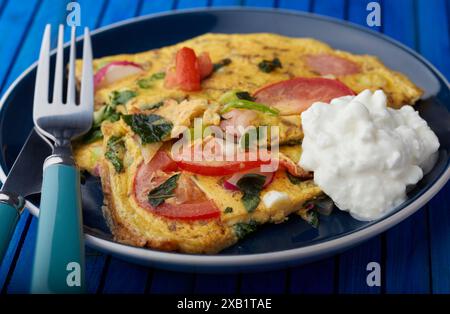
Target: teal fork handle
(59, 257)
(9, 215)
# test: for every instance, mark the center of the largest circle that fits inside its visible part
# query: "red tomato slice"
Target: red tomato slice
(326, 64)
(205, 65)
(190, 202)
(296, 95)
(219, 168)
(187, 74)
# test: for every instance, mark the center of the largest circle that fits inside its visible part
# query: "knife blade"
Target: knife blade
(24, 179)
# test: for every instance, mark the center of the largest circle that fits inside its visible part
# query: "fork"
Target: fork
(59, 257)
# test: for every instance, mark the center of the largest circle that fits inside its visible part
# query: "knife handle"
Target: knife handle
(59, 257)
(11, 207)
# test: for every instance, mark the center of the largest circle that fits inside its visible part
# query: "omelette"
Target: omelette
(147, 103)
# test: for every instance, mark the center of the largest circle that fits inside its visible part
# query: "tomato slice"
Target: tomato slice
(296, 95)
(186, 75)
(219, 168)
(205, 65)
(189, 202)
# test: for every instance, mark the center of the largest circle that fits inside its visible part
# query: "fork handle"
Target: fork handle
(59, 256)
(11, 207)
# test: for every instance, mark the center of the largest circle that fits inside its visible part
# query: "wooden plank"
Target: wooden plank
(169, 282)
(187, 4)
(334, 8)
(12, 37)
(353, 263)
(219, 284)
(352, 267)
(259, 3)
(301, 5)
(118, 10)
(95, 264)
(21, 277)
(2, 6)
(124, 277)
(12, 255)
(407, 264)
(271, 282)
(434, 44)
(154, 6)
(407, 253)
(315, 278)
(220, 3)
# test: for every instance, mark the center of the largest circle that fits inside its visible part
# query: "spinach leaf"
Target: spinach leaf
(242, 229)
(121, 98)
(251, 185)
(148, 82)
(268, 66)
(158, 195)
(151, 128)
(115, 150)
(221, 64)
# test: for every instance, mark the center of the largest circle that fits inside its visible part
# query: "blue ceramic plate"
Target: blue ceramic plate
(290, 243)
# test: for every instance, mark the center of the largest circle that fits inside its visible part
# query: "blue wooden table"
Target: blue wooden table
(414, 256)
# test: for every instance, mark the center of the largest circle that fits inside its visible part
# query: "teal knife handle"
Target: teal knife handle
(10, 208)
(59, 257)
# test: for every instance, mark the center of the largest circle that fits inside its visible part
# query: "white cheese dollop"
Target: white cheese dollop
(365, 154)
(276, 200)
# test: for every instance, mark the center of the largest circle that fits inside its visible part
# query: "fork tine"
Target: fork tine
(87, 79)
(42, 75)
(58, 82)
(71, 78)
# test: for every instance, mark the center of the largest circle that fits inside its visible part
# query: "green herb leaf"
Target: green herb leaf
(151, 128)
(247, 104)
(158, 76)
(312, 218)
(251, 185)
(221, 64)
(294, 180)
(158, 195)
(228, 210)
(115, 150)
(268, 66)
(242, 229)
(122, 97)
(92, 136)
(148, 82)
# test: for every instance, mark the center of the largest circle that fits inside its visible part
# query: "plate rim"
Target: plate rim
(173, 260)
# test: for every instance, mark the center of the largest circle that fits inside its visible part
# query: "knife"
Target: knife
(24, 179)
